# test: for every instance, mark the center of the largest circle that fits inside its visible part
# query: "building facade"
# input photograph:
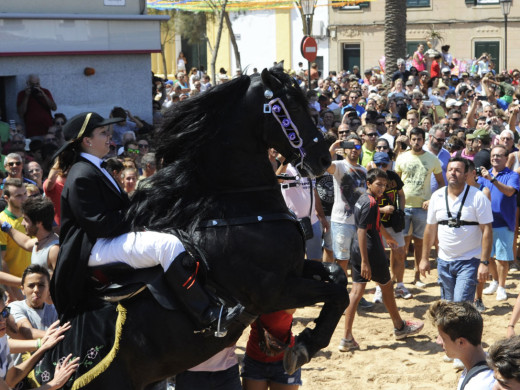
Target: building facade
(58, 39)
(470, 27)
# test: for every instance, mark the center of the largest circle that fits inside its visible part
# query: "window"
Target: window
(417, 3)
(482, 2)
(351, 56)
(351, 5)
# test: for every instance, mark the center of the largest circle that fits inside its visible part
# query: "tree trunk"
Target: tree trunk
(233, 41)
(395, 35)
(217, 41)
(163, 56)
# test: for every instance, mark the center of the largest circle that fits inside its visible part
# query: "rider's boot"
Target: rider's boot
(181, 276)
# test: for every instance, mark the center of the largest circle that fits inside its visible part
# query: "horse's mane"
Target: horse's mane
(175, 195)
(178, 194)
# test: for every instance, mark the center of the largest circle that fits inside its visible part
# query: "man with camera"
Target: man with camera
(349, 183)
(34, 105)
(461, 216)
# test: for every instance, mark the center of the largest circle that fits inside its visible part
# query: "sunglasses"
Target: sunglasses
(143, 146)
(381, 165)
(371, 135)
(344, 101)
(59, 123)
(14, 163)
(136, 151)
(343, 132)
(441, 140)
(391, 122)
(34, 170)
(5, 313)
(357, 147)
(381, 147)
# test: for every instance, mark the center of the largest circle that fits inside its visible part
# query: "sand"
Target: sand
(384, 363)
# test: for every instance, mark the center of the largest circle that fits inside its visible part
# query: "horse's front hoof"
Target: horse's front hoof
(295, 357)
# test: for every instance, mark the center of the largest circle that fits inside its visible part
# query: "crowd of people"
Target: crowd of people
(425, 159)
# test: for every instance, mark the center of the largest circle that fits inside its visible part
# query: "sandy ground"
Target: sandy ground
(384, 363)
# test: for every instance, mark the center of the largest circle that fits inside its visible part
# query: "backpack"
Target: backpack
(475, 370)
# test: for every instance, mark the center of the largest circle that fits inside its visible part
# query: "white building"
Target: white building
(58, 39)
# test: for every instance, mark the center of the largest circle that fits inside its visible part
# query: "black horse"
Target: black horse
(217, 186)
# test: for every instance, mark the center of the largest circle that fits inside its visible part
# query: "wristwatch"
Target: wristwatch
(493, 180)
(485, 262)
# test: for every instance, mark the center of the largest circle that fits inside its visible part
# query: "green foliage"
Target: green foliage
(191, 25)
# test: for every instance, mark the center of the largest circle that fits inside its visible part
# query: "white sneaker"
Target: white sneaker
(493, 286)
(501, 294)
(378, 295)
(458, 365)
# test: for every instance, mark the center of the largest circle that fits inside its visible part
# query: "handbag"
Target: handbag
(305, 222)
(397, 218)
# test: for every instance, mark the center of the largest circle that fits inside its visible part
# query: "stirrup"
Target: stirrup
(219, 332)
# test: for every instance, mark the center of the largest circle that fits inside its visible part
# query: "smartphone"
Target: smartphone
(347, 145)
(480, 97)
(427, 103)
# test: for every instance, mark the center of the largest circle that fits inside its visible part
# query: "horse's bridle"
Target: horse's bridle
(276, 107)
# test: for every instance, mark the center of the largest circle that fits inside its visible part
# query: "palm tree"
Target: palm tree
(395, 35)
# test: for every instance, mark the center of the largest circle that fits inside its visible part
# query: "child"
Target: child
(369, 262)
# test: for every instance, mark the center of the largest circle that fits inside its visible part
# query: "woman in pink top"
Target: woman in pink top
(418, 58)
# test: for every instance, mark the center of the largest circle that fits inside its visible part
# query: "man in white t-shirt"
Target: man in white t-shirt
(461, 216)
(349, 184)
(460, 328)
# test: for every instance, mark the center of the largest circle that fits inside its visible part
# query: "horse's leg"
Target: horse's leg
(320, 282)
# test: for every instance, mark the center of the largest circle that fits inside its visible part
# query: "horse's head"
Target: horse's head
(289, 127)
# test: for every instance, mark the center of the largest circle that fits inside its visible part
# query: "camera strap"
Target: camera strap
(459, 214)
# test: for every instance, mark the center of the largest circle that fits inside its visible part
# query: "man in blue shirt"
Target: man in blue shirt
(353, 99)
(504, 185)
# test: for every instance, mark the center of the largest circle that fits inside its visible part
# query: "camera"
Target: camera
(478, 171)
(453, 223)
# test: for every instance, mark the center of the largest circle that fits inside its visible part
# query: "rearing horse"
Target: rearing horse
(217, 185)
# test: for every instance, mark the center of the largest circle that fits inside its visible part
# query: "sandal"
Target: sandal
(348, 345)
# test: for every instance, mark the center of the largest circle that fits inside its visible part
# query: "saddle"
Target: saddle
(118, 281)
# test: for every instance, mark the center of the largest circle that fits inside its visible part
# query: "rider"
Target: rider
(93, 231)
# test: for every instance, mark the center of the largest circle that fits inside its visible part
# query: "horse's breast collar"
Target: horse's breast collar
(246, 220)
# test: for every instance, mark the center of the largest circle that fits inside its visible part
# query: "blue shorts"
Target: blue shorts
(342, 236)
(313, 246)
(503, 240)
(327, 238)
(269, 372)
(417, 218)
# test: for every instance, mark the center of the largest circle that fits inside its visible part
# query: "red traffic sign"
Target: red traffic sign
(309, 48)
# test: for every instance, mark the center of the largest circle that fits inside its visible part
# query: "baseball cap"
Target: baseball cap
(381, 158)
(482, 134)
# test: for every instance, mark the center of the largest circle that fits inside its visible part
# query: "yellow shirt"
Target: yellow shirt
(16, 258)
(416, 172)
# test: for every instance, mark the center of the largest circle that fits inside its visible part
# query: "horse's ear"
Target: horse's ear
(270, 81)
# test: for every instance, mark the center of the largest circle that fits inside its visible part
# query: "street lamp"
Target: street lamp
(308, 11)
(506, 8)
